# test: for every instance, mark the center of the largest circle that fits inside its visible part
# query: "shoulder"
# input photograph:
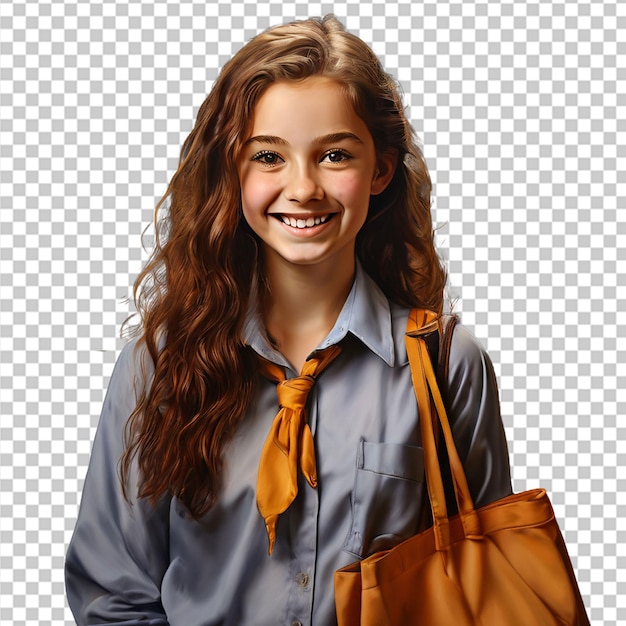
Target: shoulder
(465, 348)
(469, 364)
(130, 377)
(467, 356)
(133, 365)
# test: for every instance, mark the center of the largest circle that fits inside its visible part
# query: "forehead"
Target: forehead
(315, 105)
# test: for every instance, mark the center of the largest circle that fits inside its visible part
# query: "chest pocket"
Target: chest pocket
(386, 498)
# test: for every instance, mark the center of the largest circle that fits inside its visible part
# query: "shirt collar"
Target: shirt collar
(365, 314)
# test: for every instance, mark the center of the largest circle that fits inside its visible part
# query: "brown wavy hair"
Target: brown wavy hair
(193, 294)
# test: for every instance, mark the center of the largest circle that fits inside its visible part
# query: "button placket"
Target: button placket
(304, 533)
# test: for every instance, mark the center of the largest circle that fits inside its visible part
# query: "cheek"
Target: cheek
(353, 190)
(256, 191)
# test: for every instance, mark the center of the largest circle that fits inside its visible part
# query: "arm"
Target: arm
(119, 551)
(474, 413)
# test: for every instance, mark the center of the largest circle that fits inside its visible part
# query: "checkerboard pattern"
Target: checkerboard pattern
(521, 107)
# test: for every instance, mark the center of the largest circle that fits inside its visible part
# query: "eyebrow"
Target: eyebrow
(323, 140)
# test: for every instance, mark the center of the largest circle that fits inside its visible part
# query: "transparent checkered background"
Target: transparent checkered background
(522, 110)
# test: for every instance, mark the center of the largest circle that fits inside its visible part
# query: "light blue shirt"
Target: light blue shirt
(137, 564)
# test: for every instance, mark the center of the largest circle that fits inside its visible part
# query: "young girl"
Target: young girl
(296, 239)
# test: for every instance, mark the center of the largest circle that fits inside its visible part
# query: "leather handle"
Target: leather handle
(421, 323)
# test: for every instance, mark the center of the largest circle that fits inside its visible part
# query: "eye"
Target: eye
(267, 158)
(336, 156)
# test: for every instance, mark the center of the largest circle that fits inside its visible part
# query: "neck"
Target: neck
(302, 304)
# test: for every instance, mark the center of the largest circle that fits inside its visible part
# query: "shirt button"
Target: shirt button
(303, 580)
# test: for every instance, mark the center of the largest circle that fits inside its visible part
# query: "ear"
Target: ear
(387, 163)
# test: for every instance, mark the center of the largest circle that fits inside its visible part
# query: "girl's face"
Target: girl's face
(307, 171)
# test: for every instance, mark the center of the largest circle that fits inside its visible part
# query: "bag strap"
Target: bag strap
(439, 343)
(420, 325)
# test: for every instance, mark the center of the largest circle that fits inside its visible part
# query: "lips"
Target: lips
(302, 222)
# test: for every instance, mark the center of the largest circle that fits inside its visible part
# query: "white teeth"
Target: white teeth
(304, 223)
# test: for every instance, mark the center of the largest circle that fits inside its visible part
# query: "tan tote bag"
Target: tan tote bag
(504, 564)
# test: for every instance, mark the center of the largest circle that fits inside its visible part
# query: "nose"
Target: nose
(302, 185)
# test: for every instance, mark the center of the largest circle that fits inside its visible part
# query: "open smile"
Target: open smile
(301, 222)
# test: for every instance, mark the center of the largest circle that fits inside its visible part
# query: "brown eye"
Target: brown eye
(267, 158)
(336, 156)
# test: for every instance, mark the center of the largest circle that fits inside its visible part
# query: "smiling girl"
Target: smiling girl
(305, 191)
(293, 241)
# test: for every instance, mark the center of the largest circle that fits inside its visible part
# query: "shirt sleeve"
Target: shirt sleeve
(474, 408)
(119, 550)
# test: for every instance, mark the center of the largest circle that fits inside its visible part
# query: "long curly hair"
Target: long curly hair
(192, 296)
